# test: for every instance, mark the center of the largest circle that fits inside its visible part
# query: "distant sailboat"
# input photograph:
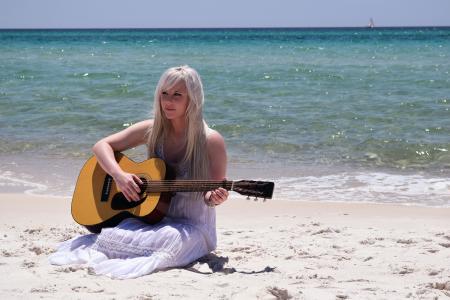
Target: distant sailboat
(371, 23)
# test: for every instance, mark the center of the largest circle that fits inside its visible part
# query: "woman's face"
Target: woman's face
(174, 101)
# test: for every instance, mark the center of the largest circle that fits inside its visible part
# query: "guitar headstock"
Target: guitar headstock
(261, 189)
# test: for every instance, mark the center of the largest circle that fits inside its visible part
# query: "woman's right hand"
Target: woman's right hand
(104, 149)
(127, 183)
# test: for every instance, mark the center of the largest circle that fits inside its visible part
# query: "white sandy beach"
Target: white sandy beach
(272, 250)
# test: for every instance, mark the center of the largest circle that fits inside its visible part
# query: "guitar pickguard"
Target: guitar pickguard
(106, 189)
(119, 202)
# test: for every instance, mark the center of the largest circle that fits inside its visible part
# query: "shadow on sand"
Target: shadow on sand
(217, 265)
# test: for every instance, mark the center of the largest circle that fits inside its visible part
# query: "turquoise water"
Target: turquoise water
(300, 102)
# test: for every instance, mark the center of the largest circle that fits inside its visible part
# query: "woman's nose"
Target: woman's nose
(168, 97)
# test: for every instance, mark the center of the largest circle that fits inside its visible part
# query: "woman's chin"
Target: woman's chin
(170, 116)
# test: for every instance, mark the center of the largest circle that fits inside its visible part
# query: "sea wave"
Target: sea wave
(367, 187)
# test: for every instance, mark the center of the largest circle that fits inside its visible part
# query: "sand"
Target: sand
(272, 250)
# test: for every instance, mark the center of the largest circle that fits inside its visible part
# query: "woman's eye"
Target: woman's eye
(177, 94)
(164, 93)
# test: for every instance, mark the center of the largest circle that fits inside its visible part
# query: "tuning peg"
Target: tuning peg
(248, 197)
(264, 199)
(256, 198)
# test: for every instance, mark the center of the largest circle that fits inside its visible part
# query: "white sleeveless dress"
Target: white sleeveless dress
(133, 248)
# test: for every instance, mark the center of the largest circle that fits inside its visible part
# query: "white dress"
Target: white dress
(133, 248)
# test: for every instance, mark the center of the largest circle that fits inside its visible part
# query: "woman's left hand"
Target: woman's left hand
(216, 197)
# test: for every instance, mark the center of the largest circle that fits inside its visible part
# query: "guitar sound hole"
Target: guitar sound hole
(119, 202)
(143, 187)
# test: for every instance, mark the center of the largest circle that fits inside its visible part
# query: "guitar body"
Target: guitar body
(97, 202)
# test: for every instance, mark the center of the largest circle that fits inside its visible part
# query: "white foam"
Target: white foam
(366, 187)
(9, 180)
(372, 187)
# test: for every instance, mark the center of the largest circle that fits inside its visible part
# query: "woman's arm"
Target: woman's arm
(104, 151)
(217, 155)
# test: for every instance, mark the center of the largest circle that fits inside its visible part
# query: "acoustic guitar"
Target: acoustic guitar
(97, 202)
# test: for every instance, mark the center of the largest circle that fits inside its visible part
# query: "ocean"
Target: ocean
(349, 115)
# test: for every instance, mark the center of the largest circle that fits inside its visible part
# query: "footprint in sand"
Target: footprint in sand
(143, 297)
(6, 253)
(434, 272)
(367, 242)
(36, 250)
(406, 241)
(71, 269)
(341, 257)
(241, 249)
(349, 251)
(440, 285)
(279, 293)
(33, 231)
(433, 250)
(28, 264)
(85, 289)
(45, 289)
(404, 270)
(355, 280)
(326, 230)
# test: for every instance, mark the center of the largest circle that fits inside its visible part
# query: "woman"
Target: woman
(178, 135)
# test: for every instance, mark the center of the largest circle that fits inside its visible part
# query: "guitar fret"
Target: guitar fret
(180, 186)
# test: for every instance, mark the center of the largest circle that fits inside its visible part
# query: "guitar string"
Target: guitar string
(166, 186)
(192, 181)
(181, 188)
(200, 185)
(187, 184)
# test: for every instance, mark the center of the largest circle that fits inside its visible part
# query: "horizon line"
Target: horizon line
(209, 28)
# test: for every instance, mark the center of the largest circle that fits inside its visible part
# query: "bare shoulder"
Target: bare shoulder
(214, 140)
(217, 154)
(216, 147)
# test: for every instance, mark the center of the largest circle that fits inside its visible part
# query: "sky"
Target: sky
(225, 13)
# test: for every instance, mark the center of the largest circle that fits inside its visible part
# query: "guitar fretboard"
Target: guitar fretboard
(185, 185)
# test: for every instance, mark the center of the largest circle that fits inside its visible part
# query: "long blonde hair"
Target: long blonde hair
(196, 156)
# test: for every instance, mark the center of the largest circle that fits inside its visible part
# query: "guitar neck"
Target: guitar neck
(159, 186)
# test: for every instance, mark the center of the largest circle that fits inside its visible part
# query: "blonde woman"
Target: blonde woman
(178, 135)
